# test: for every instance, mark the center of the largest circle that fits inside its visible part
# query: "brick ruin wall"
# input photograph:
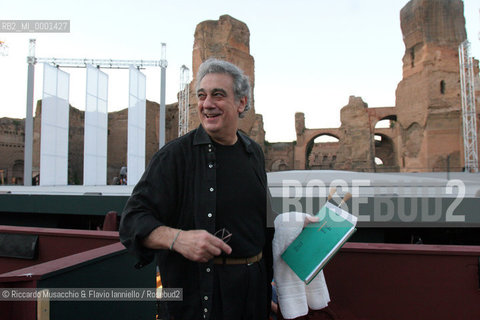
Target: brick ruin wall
(426, 122)
(12, 138)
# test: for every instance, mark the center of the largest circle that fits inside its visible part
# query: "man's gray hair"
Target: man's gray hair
(241, 84)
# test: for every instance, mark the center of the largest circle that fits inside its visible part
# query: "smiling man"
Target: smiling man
(219, 108)
(201, 207)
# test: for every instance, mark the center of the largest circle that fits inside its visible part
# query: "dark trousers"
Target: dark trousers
(241, 292)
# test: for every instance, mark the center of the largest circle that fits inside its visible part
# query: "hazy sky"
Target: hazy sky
(310, 55)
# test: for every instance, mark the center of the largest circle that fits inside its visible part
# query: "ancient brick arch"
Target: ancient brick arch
(312, 134)
(387, 148)
(378, 114)
(305, 142)
(323, 155)
(279, 165)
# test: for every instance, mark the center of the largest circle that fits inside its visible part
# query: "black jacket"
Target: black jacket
(178, 190)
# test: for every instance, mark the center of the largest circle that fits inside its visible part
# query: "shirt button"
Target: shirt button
(209, 215)
(208, 270)
(206, 297)
(211, 189)
(205, 310)
(210, 166)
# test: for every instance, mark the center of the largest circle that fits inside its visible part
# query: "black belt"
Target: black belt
(249, 260)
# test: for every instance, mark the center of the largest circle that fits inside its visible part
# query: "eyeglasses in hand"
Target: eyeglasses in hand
(223, 234)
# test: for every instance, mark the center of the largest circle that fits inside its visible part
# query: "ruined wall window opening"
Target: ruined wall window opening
(386, 122)
(442, 87)
(319, 149)
(412, 57)
(378, 161)
(325, 138)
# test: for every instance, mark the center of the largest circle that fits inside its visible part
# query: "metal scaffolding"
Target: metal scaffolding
(101, 63)
(82, 63)
(467, 84)
(183, 101)
(3, 48)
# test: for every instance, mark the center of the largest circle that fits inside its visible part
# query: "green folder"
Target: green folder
(318, 242)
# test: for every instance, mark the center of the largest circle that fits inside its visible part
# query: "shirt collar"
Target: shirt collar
(202, 137)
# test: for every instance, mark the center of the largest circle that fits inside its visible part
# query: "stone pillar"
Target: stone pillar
(299, 154)
(227, 39)
(428, 97)
(356, 150)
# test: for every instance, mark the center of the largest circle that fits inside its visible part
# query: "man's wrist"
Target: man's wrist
(174, 239)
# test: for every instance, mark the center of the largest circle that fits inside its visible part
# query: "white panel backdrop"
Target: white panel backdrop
(96, 128)
(136, 126)
(54, 127)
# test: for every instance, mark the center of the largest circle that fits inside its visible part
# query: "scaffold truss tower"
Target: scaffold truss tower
(183, 101)
(3, 48)
(468, 107)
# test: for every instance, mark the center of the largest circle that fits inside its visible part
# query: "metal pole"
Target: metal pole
(161, 134)
(27, 164)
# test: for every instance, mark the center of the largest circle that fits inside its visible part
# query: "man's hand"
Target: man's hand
(200, 246)
(195, 245)
(310, 219)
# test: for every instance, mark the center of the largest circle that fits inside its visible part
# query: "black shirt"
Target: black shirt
(241, 200)
(179, 189)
